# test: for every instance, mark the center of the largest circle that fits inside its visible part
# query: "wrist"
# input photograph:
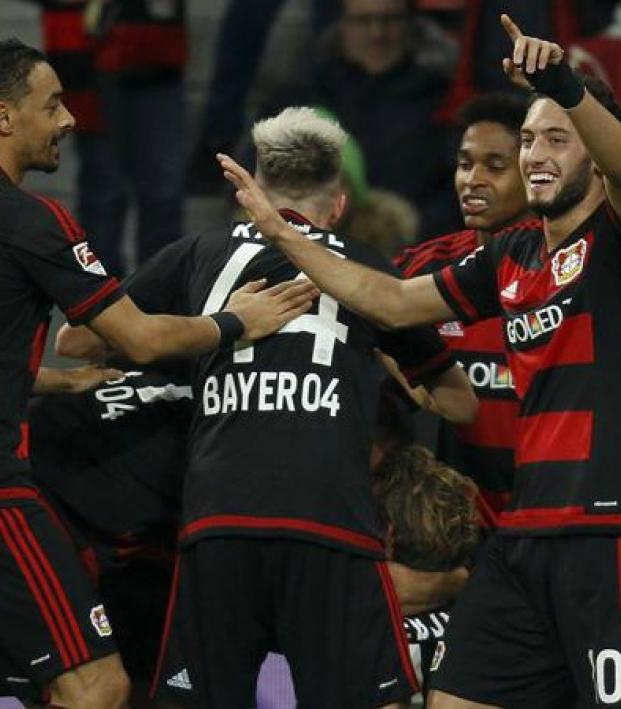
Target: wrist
(560, 83)
(230, 325)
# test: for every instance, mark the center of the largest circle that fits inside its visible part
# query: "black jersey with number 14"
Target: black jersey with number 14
(281, 437)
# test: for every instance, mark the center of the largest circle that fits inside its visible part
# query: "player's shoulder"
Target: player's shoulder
(436, 253)
(41, 213)
(513, 237)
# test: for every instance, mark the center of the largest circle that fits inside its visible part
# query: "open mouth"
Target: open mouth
(539, 180)
(474, 204)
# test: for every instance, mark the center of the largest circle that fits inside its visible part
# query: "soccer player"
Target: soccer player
(491, 197)
(281, 548)
(537, 624)
(55, 633)
(430, 516)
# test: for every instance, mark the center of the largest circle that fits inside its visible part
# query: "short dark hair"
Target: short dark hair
(429, 508)
(16, 62)
(507, 109)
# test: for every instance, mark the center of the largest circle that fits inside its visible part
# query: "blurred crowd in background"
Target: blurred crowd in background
(393, 72)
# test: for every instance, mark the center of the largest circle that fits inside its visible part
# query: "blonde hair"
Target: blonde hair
(429, 508)
(299, 152)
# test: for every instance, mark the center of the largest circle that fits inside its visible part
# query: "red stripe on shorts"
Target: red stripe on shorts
(396, 618)
(75, 635)
(34, 589)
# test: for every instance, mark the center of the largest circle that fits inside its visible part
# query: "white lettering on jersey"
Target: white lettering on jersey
(489, 375)
(606, 669)
(530, 326)
(269, 391)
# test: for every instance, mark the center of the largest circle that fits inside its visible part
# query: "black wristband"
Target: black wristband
(559, 82)
(231, 327)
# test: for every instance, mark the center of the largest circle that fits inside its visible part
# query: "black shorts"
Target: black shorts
(425, 633)
(538, 625)
(52, 619)
(333, 614)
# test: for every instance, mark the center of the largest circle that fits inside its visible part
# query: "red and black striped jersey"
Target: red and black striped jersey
(561, 315)
(44, 259)
(281, 439)
(484, 449)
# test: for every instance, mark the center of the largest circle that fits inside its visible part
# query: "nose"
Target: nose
(67, 121)
(476, 175)
(535, 152)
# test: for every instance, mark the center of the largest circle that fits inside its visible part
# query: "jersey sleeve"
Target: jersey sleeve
(469, 287)
(51, 247)
(420, 352)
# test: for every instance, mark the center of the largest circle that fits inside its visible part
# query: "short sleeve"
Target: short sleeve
(51, 247)
(469, 287)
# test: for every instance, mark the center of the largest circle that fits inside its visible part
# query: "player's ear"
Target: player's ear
(6, 118)
(339, 206)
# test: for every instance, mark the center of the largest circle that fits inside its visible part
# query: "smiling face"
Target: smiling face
(556, 167)
(38, 121)
(487, 178)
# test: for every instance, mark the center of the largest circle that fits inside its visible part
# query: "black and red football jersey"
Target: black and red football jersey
(483, 449)
(561, 316)
(44, 259)
(280, 442)
(112, 459)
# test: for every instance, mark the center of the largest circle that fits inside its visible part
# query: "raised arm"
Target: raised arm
(539, 64)
(387, 301)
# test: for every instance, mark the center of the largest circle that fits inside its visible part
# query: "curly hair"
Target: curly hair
(429, 509)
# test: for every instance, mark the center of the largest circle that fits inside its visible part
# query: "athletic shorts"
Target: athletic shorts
(52, 619)
(538, 625)
(425, 633)
(333, 614)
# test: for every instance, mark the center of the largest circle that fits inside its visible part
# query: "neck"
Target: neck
(10, 167)
(314, 215)
(484, 235)
(557, 230)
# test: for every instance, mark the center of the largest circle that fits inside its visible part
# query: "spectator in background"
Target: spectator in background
(385, 221)
(384, 72)
(484, 44)
(241, 40)
(122, 63)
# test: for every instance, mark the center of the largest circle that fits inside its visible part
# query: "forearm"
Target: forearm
(600, 131)
(372, 294)
(52, 381)
(162, 336)
(81, 342)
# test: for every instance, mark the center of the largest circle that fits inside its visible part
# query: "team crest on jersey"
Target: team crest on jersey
(100, 621)
(87, 259)
(451, 329)
(567, 264)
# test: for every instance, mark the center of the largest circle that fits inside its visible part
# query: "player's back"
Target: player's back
(281, 438)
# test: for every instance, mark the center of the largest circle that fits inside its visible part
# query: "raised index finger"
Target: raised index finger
(229, 165)
(511, 28)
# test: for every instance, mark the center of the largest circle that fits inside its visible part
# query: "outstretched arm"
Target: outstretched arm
(386, 300)
(539, 64)
(144, 338)
(71, 381)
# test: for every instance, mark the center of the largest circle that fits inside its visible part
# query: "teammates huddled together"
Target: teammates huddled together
(236, 470)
